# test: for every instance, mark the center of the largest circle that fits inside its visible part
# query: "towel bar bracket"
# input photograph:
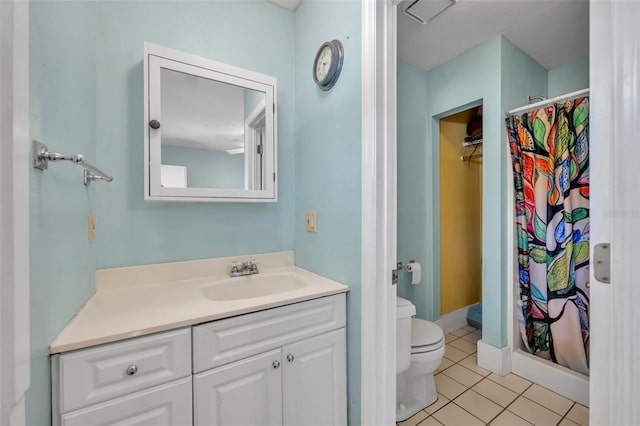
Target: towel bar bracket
(42, 156)
(40, 161)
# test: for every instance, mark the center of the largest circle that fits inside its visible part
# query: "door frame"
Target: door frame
(14, 210)
(615, 209)
(435, 299)
(378, 302)
(613, 387)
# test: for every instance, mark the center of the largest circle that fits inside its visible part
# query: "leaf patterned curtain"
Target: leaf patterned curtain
(550, 157)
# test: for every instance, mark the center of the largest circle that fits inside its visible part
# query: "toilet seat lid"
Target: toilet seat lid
(425, 333)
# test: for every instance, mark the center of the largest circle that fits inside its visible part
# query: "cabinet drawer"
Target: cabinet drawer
(231, 339)
(97, 374)
(165, 405)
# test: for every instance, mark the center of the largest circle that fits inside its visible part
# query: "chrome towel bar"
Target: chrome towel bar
(42, 156)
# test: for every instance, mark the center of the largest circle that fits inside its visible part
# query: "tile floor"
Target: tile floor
(469, 395)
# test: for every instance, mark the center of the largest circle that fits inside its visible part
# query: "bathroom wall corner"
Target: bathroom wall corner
(470, 79)
(568, 77)
(412, 151)
(522, 77)
(496, 360)
(62, 116)
(328, 160)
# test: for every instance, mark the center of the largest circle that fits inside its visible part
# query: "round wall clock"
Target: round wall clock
(328, 64)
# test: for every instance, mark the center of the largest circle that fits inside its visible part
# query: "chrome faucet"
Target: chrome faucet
(239, 269)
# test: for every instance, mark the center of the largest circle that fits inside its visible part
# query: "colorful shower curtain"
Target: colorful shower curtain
(550, 157)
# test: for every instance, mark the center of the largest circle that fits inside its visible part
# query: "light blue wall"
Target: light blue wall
(256, 35)
(497, 75)
(207, 168)
(328, 163)
(413, 193)
(569, 77)
(86, 87)
(468, 80)
(87, 96)
(62, 102)
(521, 77)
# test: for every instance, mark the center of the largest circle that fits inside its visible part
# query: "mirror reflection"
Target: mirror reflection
(212, 133)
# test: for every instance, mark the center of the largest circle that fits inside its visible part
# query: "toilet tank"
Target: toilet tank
(404, 311)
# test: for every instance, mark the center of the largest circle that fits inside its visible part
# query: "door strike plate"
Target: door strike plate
(394, 274)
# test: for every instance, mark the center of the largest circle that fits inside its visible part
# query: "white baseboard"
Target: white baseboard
(454, 320)
(561, 380)
(497, 360)
(440, 324)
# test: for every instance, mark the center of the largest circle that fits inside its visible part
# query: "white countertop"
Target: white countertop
(140, 300)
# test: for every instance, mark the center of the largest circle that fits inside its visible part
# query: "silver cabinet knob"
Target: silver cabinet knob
(132, 369)
(290, 358)
(276, 364)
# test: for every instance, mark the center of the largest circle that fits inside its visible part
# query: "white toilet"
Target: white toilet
(415, 387)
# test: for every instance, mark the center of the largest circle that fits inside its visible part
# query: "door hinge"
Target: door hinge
(259, 147)
(602, 263)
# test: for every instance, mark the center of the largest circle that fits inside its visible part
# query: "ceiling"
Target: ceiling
(199, 113)
(553, 32)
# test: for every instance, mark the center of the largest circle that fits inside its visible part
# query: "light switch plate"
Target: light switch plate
(92, 227)
(312, 221)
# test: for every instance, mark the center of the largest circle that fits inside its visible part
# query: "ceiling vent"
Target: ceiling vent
(422, 11)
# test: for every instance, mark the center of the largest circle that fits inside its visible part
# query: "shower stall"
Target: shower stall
(549, 240)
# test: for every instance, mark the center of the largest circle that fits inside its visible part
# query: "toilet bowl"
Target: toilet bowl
(415, 386)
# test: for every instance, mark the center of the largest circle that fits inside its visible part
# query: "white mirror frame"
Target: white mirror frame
(157, 57)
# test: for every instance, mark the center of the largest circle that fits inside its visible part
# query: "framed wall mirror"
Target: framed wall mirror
(210, 130)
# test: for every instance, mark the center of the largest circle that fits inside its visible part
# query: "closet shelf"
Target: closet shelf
(472, 143)
(471, 157)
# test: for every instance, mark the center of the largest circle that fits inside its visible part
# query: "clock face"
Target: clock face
(323, 64)
(328, 64)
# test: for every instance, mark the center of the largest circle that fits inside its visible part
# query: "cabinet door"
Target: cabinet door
(165, 405)
(315, 381)
(245, 392)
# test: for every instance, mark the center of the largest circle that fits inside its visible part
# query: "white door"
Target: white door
(615, 210)
(315, 381)
(165, 405)
(246, 392)
(14, 210)
(378, 302)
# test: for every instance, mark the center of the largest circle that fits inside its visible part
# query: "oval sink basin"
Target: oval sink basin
(251, 286)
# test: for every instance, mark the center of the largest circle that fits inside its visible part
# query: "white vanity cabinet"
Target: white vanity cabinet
(279, 366)
(165, 405)
(283, 366)
(301, 384)
(135, 381)
(315, 381)
(246, 392)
